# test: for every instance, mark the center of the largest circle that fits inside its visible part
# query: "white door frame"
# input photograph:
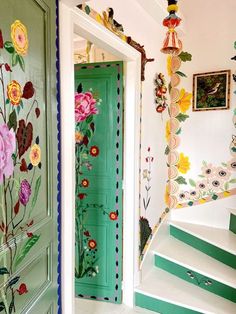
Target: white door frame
(74, 20)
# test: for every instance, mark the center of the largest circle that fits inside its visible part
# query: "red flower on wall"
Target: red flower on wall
(85, 183)
(94, 151)
(92, 244)
(22, 289)
(81, 196)
(7, 67)
(28, 91)
(86, 233)
(113, 216)
(1, 39)
(23, 166)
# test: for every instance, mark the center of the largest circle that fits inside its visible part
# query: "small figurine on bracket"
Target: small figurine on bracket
(110, 23)
(117, 26)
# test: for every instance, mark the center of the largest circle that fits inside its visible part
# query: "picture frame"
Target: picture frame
(211, 90)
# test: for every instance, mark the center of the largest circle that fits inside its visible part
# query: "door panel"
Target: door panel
(28, 146)
(99, 181)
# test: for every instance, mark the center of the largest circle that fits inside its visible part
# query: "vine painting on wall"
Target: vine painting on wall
(20, 164)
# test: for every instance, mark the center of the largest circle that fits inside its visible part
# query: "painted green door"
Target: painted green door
(28, 157)
(98, 134)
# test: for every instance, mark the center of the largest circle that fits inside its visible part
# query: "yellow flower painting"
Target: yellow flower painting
(184, 100)
(183, 164)
(35, 155)
(19, 37)
(14, 92)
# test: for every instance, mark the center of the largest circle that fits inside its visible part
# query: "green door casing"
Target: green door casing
(98, 135)
(28, 157)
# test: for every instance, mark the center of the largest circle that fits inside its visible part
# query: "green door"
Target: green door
(28, 157)
(98, 134)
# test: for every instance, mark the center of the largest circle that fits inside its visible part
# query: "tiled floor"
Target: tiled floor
(94, 307)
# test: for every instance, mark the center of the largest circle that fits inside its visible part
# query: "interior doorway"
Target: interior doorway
(73, 21)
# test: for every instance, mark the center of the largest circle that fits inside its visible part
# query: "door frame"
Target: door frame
(73, 20)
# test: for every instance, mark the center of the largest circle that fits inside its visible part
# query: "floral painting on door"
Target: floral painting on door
(20, 164)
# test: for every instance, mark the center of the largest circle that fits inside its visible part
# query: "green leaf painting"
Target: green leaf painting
(21, 62)
(182, 117)
(11, 307)
(226, 186)
(2, 306)
(181, 74)
(26, 248)
(4, 271)
(36, 191)
(14, 59)
(179, 131)
(13, 281)
(12, 123)
(192, 182)
(167, 150)
(181, 180)
(185, 56)
(9, 46)
(89, 119)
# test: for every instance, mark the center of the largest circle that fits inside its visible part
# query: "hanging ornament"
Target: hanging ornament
(160, 93)
(172, 44)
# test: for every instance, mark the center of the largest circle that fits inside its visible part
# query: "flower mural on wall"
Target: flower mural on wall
(214, 181)
(180, 101)
(145, 229)
(19, 182)
(86, 107)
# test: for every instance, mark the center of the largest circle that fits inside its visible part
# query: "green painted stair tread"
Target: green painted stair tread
(163, 286)
(232, 224)
(196, 278)
(217, 243)
(160, 306)
(193, 259)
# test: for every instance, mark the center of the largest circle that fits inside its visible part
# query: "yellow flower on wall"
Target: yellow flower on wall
(78, 137)
(168, 130)
(183, 164)
(14, 93)
(184, 100)
(19, 37)
(35, 155)
(167, 195)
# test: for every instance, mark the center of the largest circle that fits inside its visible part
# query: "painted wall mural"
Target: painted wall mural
(86, 245)
(145, 229)
(180, 102)
(21, 162)
(215, 181)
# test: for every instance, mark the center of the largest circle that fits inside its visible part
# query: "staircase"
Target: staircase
(193, 271)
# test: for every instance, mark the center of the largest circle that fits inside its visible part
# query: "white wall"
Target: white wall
(209, 37)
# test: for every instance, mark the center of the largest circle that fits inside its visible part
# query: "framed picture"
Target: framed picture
(211, 91)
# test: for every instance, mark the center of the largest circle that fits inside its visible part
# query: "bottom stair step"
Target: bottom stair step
(165, 293)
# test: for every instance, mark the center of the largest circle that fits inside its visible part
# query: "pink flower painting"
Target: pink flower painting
(7, 148)
(84, 106)
(25, 192)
